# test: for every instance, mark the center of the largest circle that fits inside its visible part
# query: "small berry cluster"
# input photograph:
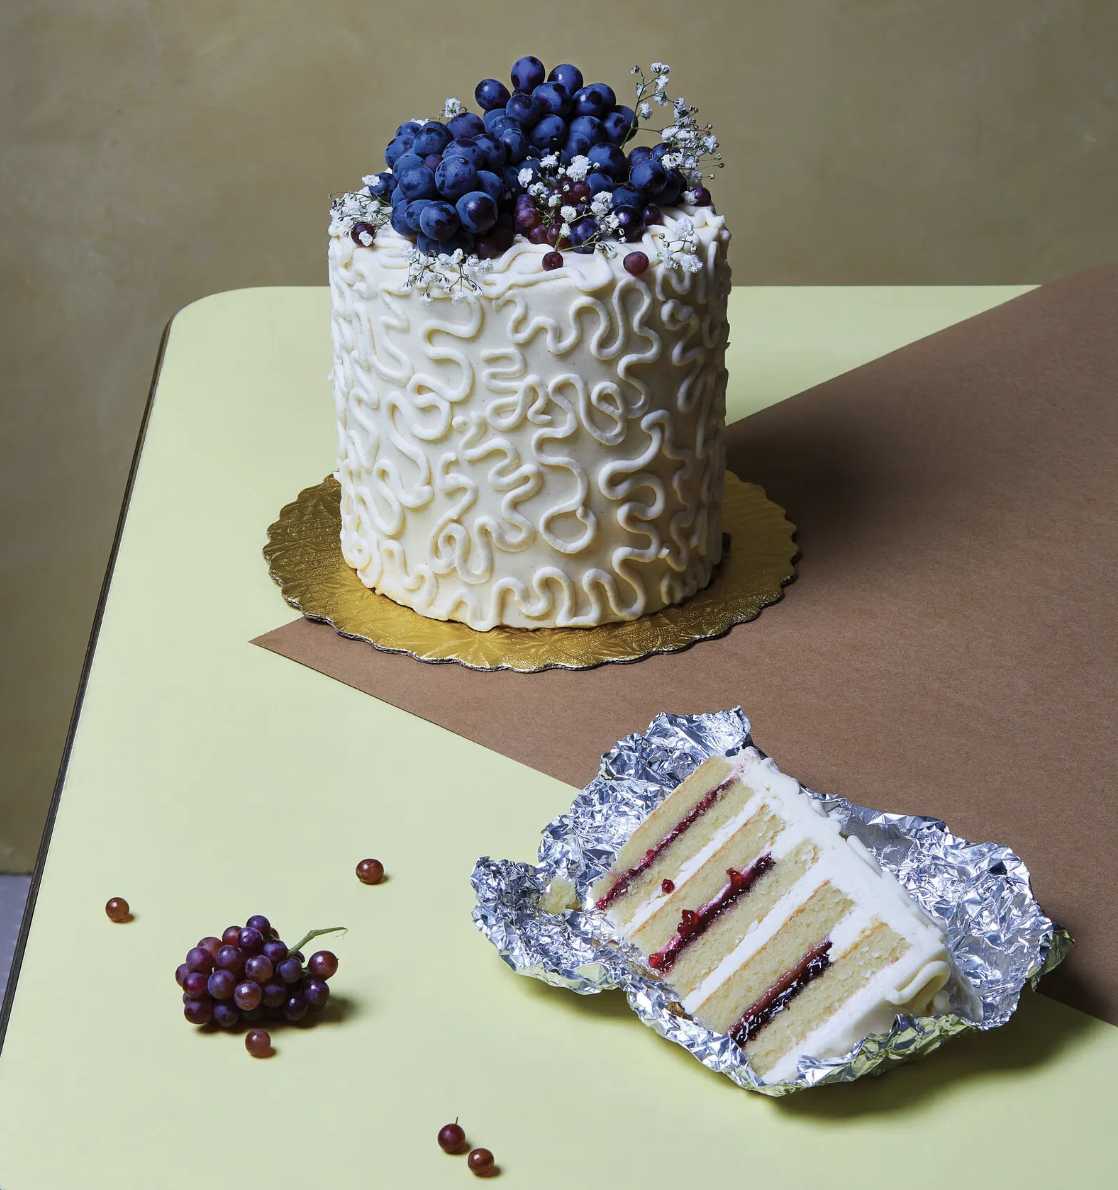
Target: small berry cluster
(248, 974)
(452, 1139)
(546, 160)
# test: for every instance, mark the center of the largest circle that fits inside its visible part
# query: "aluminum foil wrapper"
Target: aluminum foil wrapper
(998, 938)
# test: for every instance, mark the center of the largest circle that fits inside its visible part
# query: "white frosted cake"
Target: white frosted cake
(767, 924)
(531, 409)
(547, 451)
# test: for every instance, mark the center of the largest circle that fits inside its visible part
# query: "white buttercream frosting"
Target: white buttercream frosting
(546, 451)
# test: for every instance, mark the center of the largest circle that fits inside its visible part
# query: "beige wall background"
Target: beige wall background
(155, 152)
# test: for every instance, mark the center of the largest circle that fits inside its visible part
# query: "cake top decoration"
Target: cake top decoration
(547, 161)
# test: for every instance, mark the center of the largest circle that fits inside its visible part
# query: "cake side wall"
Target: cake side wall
(545, 451)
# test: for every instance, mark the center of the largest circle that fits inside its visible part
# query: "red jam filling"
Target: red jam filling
(693, 925)
(621, 885)
(778, 997)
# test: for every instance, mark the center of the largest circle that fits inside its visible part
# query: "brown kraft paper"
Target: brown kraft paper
(950, 645)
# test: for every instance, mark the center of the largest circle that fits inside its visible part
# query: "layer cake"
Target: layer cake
(740, 891)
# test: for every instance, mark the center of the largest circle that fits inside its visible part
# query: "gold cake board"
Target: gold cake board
(305, 558)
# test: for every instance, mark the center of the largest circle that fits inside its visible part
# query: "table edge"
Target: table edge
(79, 696)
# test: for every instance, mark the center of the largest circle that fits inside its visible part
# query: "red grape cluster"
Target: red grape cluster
(248, 975)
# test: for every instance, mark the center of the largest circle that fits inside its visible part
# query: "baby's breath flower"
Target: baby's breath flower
(678, 247)
(601, 203)
(525, 176)
(452, 108)
(565, 228)
(554, 200)
(569, 213)
(357, 207)
(550, 161)
(690, 143)
(578, 168)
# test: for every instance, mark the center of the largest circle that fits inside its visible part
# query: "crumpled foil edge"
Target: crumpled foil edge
(998, 938)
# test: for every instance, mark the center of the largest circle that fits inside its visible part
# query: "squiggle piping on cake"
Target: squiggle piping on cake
(547, 451)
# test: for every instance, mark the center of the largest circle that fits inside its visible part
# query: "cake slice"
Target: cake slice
(768, 925)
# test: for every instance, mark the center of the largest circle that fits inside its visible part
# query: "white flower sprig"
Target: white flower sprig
(455, 274)
(690, 143)
(678, 247)
(351, 208)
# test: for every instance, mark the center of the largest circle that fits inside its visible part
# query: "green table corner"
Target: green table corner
(208, 779)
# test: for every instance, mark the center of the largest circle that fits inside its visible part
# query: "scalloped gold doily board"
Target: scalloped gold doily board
(304, 556)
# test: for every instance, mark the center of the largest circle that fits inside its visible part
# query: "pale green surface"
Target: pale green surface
(211, 779)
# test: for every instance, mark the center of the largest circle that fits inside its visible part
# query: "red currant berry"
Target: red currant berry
(370, 871)
(258, 1042)
(199, 959)
(210, 943)
(480, 1162)
(363, 234)
(116, 909)
(251, 940)
(322, 964)
(451, 1138)
(196, 985)
(247, 995)
(198, 1012)
(636, 263)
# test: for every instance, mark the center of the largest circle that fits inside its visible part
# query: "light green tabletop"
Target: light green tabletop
(210, 779)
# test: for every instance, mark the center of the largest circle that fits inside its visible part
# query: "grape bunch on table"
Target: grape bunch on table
(463, 184)
(248, 974)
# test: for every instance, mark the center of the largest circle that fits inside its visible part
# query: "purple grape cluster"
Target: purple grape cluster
(459, 184)
(248, 975)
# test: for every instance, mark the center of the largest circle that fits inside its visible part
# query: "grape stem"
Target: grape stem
(314, 934)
